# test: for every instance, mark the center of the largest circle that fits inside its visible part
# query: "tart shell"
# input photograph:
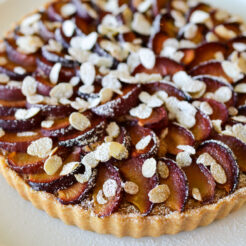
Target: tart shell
(122, 225)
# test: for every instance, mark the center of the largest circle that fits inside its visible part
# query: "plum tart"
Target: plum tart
(126, 117)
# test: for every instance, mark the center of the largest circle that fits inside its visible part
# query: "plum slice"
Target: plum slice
(213, 68)
(107, 171)
(163, 66)
(10, 93)
(203, 126)
(220, 111)
(157, 120)
(237, 146)
(13, 142)
(136, 134)
(83, 27)
(178, 186)
(44, 86)
(177, 135)
(17, 57)
(169, 88)
(8, 108)
(158, 5)
(120, 105)
(9, 123)
(90, 135)
(131, 170)
(60, 128)
(156, 42)
(199, 177)
(223, 156)
(45, 31)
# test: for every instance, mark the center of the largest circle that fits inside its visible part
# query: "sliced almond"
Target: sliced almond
(183, 159)
(143, 143)
(163, 169)
(147, 58)
(2, 132)
(218, 173)
(187, 148)
(100, 199)
(149, 168)
(118, 151)
(62, 90)
(159, 194)
(24, 114)
(55, 72)
(140, 24)
(131, 188)
(196, 194)
(52, 164)
(79, 121)
(206, 159)
(90, 160)
(47, 123)
(29, 86)
(142, 111)
(40, 147)
(83, 178)
(113, 130)
(69, 168)
(87, 73)
(109, 188)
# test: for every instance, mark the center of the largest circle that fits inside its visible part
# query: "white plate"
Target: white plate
(23, 225)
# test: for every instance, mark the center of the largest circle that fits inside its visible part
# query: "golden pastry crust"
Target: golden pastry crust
(122, 225)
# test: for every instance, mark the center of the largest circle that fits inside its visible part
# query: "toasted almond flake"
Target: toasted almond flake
(239, 118)
(82, 178)
(178, 18)
(162, 95)
(231, 69)
(211, 37)
(237, 130)
(164, 133)
(40, 147)
(80, 104)
(223, 94)
(29, 20)
(199, 16)
(86, 89)
(217, 125)
(3, 61)
(190, 31)
(142, 111)
(219, 56)
(183, 159)
(110, 81)
(149, 168)
(196, 194)
(100, 198)
(4, 78)
(85, 42)
(105, 94)
(90, 160)
(143, 143)
(79, 121)
(113, 130)
(109, 188)
(102, 152)
(180, 5)
(206, 159)
(2, 132)
(151, 101)
(69, 168)
(87, 73)
(20, 70)
(62, 90)
(187, 148)
(74, 81)
(52, 164)
(232, 111)
(35, 99)
(147, 58)
(240, 88)
(24, 114)
(26, 134)
(68, 10)
(206, 108)
(218, 173)
(240, 47)
(224, 32)
(131, 188)
(47, 123)
(29, 44)
(159, 194)
(108, 139)
(163, 169)
(55, 72)
(140, 24)
(118, 151)
(144, 6)
(68, 28)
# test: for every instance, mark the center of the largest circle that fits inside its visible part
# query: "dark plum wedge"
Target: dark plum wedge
(120, 105)
(202, 128)
(61, 127)
(223, 155)
(156, 42)
(220, 111)
(10, 93)
(177, 135)
(44, 86)
(90, 135)
(83, 27)
(131, 170)
(237, 146)
(178, 186)
(107, 171)
(136, 134)
(12, 142)
(163, 66)
(8, 108)
(157, 120)
(200, 178)
(169, 88)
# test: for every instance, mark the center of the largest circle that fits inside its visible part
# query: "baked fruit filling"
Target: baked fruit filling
(126, 106)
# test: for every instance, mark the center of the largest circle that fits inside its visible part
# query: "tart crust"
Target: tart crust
(122, 225)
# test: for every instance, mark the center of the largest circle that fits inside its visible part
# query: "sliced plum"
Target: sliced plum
(177, 184)
(158, 5)
(10, 93)
(107, 171)
(120, 105)
(8, 108)
(83, 27)
(44, 86)
(163, 66)
(202, 128)
(200, 178)
(223, 155)
(136, 134)
(131, 170)
(156, 42)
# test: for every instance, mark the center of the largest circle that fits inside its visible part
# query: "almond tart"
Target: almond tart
(126, 117)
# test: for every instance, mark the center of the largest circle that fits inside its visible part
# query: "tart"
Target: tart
(126, 117)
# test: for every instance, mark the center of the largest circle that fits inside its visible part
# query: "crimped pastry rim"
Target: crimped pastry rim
(122, 225)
